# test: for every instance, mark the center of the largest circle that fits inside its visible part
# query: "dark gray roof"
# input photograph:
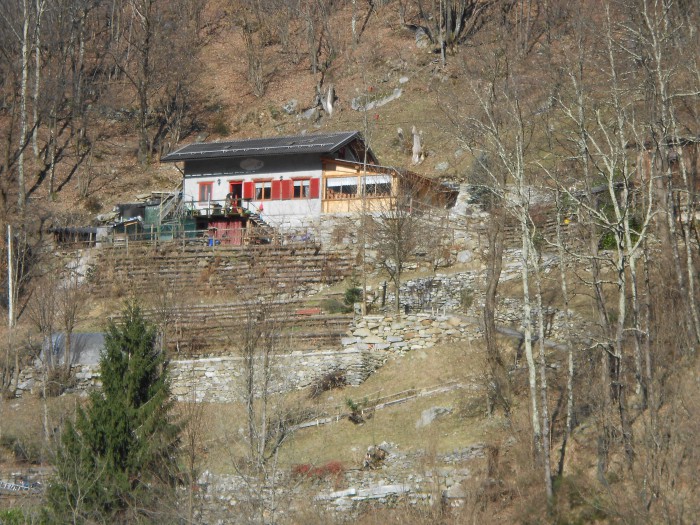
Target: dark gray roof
(320, 143)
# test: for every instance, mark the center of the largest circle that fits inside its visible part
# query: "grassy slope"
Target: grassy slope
(346, 442)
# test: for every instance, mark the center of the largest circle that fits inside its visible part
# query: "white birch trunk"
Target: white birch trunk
(354, 22)
(527, 329)
(569, 339)
(659, 26)
(22, 193)
(39, 7)
(544, 398)
(417, 151)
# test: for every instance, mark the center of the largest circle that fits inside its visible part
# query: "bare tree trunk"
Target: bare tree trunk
(570, 342)
(11, 281)
(658, 27)
(256, 76)
(527, 325)
(53, 145)
(311, 37)
(417, 152)
(22, 193)
(546, 445)
(652, 402)
(499, 384)
(144, 78)
(78, 58)
(39, 8)
(353, 23)
(441, 25)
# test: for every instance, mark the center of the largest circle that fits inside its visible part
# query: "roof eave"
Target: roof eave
(186, 156)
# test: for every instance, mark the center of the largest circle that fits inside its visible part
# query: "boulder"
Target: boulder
(291, 107)
(464, 256)
(456, 491)
(454, 321)
(422, 38)
(431, 414)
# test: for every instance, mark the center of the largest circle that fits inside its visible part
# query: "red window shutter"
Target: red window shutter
(314, 188)
(248, 190)
(287, 189)
(276, 190)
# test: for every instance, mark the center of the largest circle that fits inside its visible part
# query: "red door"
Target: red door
(235, 193)
(228, 232)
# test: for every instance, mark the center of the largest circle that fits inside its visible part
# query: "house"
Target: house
(676, 156)
(671, 167)
(284, 182)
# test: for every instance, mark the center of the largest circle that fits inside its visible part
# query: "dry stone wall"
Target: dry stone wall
(398, 334)
(220, 379)
(370, 341)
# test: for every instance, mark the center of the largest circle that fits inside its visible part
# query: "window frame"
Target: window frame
(303, 183)
(207, 187)
(265, 184)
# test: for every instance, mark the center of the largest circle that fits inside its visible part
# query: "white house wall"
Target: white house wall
(221, 172)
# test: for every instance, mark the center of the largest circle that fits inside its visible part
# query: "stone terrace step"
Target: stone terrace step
(205, 331)
(278, 275)
(146, 269)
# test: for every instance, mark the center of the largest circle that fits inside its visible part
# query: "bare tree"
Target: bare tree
(450, 22)
(192, 415)
(17, 23)
(71, 306)
(500, 131)
(488, 186)
(268, 417)
(396, 231)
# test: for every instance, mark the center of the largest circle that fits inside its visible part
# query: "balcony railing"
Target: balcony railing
(221, 208)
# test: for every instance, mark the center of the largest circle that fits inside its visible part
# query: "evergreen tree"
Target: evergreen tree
(119, 457)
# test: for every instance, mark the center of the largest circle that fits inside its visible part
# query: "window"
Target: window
(206, 190)
(341, 188)
(302, 189)
(377, 185)
(378, 189)
(263, 191)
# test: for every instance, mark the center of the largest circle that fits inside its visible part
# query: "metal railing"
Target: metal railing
(7, 486)
(170, 234)
(221, 207)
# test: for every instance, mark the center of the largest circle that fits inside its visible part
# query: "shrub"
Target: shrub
(13, 517)
(220, 127)
(331, 469)
(333, 306)
(302, 470)
(357, 411)
(352, 295)
(466, 298)
(25, 450)
(59, 380)
(330, 381)
(92, 204)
